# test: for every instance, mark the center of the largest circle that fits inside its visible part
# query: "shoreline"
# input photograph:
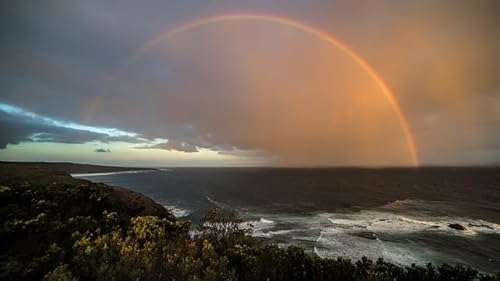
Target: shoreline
(97, 174)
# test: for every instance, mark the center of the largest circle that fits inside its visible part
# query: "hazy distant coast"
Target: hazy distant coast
(75, 168)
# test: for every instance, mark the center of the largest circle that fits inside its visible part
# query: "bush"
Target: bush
(67, 230)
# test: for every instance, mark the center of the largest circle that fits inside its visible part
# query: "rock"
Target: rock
(137, 204)
(456, 226)
(366, 234)
(481, 225)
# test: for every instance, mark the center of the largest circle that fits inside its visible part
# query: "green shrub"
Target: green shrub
(69, 230)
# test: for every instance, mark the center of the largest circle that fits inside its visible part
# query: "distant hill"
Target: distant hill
(73, 168)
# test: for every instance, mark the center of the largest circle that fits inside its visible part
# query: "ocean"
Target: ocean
(404, 215)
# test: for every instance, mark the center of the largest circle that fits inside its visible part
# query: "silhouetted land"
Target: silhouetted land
(71, 168)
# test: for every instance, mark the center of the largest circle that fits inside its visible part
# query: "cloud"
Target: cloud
(20, 125)
(285, 94)
(243, 153)
(172, 145)
(245, 88)
(103, 150)
(14, 130)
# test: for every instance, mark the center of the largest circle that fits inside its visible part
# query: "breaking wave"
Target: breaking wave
(217, 203)
(373, 234)
(177, 211)
(379, 222)
(259, 228)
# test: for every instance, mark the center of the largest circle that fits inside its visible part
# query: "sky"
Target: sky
(268, 83)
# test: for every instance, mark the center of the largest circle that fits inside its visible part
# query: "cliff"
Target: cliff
(129, 203)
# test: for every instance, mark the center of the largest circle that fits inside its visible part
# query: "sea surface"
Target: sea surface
(400, 214)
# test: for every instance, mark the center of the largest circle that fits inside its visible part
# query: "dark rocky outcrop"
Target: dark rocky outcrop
(367, 235)
(481, 225)
(457, 226)
(137, 203)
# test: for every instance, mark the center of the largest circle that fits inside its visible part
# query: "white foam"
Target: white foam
(334, 242)
(262, 220)
(348, 222)
(284, 231)
(402, 204)
(354, 235)
(382, 222)
(217, 203)
(166, 169)
(80, 175)
(177, 211)
(259, 228)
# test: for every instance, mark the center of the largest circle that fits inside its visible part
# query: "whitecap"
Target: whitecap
(334, 242)
(382, 222)
(262, 220)
(166, 169)
(177, 211)
(367, 233)
(217, 203)
(259, 228)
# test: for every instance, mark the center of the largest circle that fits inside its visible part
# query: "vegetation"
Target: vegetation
(58, 228)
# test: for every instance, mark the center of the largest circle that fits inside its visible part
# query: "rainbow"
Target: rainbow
(389, 95)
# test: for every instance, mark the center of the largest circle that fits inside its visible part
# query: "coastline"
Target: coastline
(78, 175)
(48, 211)
(76, 168)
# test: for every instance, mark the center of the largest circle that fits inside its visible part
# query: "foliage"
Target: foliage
(73, 230)
(222, 228)
(60, 273)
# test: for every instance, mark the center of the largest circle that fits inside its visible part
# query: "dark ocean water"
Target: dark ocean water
(402, 215)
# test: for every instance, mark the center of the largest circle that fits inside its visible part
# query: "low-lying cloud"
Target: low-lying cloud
(103, 150)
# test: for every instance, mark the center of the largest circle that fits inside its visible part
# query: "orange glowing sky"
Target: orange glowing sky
(274, 86)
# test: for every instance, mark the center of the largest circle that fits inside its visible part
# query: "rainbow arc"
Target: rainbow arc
(318, 33)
